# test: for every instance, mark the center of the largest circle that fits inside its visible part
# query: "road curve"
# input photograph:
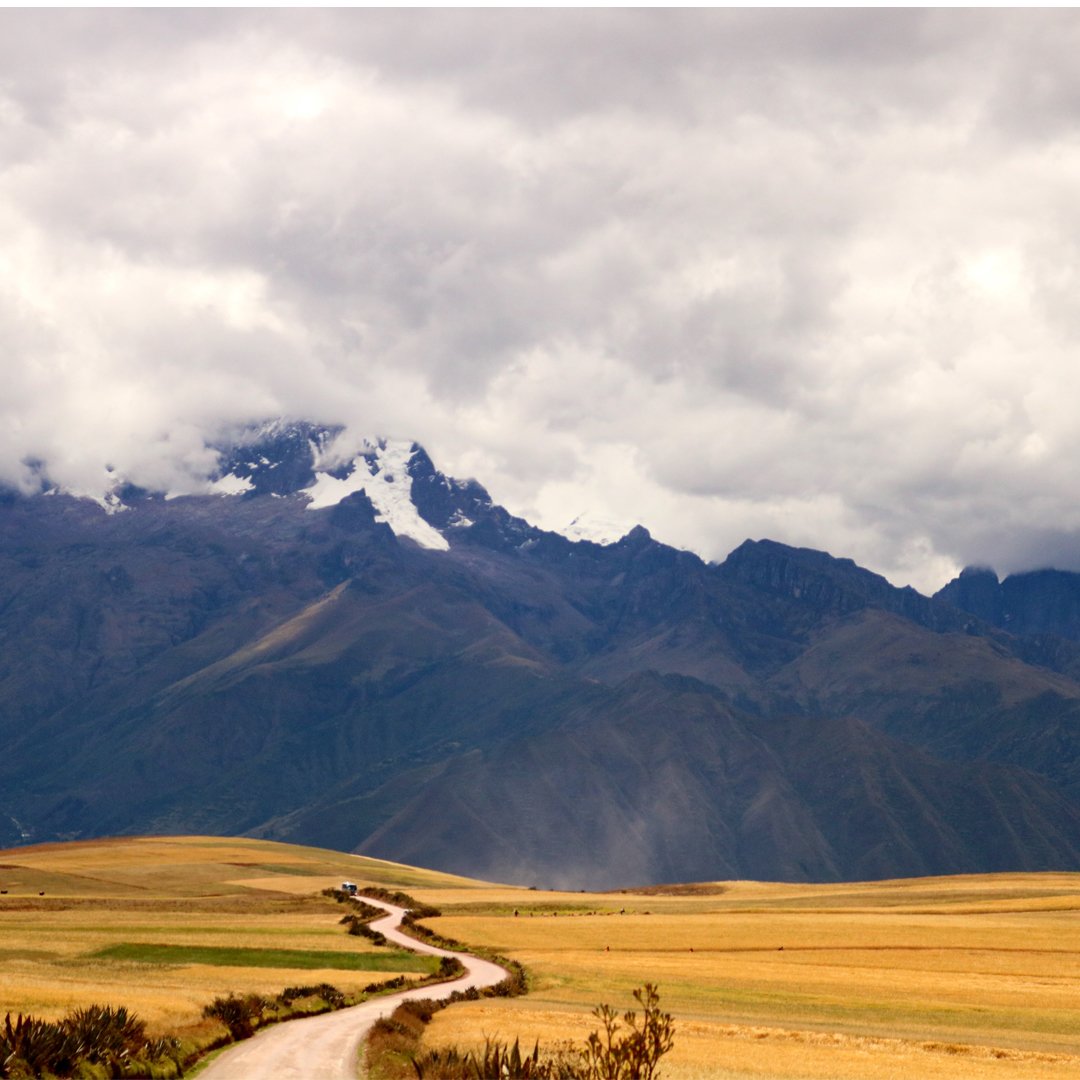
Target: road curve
(326, 1046)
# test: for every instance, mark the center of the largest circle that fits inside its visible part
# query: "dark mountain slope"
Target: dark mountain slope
(819, 586)
(407, 669)
(86, 597)
(664, 782)
(303, 706)
(1041, 602)
(403, 716)
(968, 691)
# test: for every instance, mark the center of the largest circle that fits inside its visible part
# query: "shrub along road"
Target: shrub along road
(327, 1046)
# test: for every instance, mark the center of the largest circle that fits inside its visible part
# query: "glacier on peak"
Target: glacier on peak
(381, 472)
(324, 466)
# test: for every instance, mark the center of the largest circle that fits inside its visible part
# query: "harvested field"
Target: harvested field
(164, 925)
(966, 976)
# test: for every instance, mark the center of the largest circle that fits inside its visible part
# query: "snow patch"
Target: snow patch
(390, 491)
(110, 502)
(596, 528)
(230, 485)
(382, 473)
(329, 490)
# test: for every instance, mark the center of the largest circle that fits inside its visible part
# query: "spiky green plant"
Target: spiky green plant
(106, 1034)
(241, 1015)
(36, 1046)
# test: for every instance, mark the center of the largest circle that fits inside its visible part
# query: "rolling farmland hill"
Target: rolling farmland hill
(970, 976)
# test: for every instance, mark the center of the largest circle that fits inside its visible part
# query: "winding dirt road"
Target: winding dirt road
(326, 1047)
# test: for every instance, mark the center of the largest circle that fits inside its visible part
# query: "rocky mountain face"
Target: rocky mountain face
(352, 649)
(1041, 602)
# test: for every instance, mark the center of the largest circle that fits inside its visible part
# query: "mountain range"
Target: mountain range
(339, 645)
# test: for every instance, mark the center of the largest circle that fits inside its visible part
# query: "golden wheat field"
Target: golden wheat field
(946, 977)
(110, 909)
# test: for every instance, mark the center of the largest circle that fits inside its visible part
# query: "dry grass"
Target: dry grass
(968, 977)
(727, 1051)
(179, 891)
(949, 977)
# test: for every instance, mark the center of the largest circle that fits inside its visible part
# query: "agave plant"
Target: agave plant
(37, 1046)
(106, 1034)
(497, 1062)
(449, 1064)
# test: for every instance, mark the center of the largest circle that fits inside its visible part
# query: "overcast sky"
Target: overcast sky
(810, 276)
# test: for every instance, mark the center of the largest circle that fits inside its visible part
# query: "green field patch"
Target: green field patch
(225, 956)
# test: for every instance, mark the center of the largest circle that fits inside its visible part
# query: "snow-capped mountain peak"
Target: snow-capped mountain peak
(324, 466)
(320, 466)
(277, 457)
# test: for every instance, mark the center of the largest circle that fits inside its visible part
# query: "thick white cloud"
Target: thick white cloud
(806, 275)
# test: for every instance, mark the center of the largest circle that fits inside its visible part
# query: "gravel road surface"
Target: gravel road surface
(326, 1047)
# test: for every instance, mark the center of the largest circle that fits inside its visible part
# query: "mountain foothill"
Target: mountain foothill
(361, 653)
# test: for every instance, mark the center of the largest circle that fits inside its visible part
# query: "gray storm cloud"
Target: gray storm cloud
(805, 275)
